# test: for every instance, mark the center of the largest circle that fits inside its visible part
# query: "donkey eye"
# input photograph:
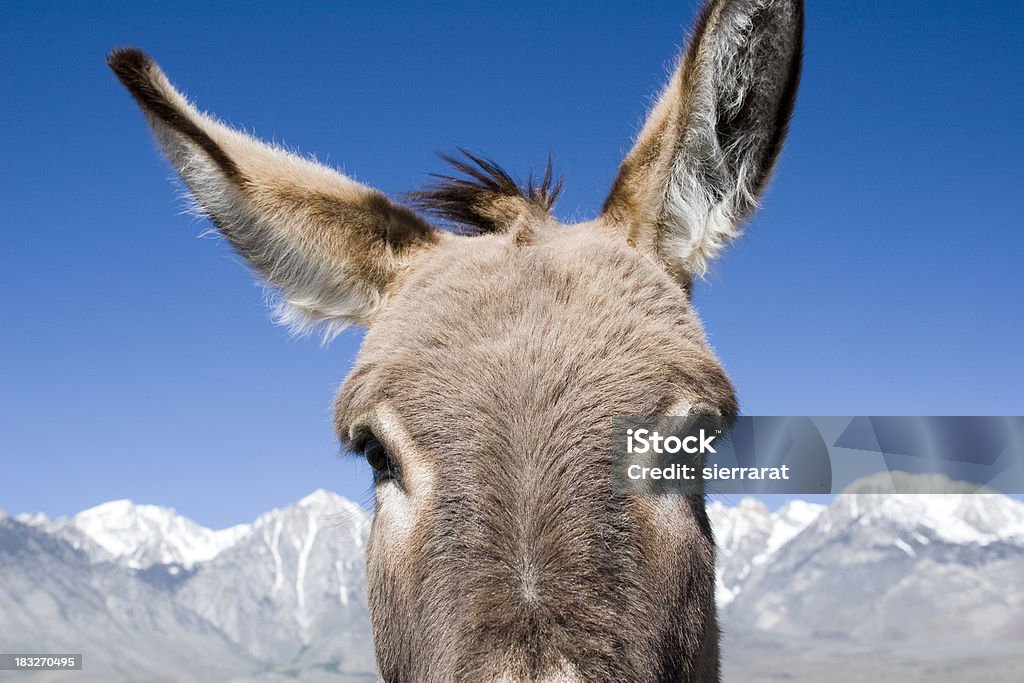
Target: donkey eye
(377, 457)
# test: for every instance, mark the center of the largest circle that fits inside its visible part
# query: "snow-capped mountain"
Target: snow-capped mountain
(146, 594)
(139, 536)
(876, 565)
(55, 598)
(978, 518)
(292, 589)
(284, 597)
(747, 536)
(914, 587)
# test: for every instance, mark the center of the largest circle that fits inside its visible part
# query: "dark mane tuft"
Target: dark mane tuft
(471, 202)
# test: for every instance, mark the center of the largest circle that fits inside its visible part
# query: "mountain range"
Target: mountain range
(146, 594)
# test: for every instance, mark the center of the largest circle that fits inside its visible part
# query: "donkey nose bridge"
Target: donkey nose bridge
(551, 541)
(546, 548)
(564, 673)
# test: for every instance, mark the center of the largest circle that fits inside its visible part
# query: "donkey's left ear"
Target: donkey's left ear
(708, 146)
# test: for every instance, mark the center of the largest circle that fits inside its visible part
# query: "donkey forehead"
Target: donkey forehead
(569, 324)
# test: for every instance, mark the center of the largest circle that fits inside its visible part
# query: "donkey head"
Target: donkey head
(497, 353)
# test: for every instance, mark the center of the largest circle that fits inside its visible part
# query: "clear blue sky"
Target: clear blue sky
(883, 275)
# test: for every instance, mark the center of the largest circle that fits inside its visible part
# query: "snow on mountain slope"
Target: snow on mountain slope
(894, 566)
(53, 598)
(958, 516)
(747, 536)
(144, 535)
(790, 520)
(293, 589)
(140, 536)
(286, 594)
(63, 529)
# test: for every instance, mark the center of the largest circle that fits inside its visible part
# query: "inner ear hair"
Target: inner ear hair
(707, 149)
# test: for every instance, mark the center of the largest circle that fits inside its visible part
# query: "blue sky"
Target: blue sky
(881, 277)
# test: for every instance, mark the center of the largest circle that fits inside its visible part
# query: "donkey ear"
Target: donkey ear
(708, 146)
(330, 245)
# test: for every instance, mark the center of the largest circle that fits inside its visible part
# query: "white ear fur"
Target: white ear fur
(708, 146)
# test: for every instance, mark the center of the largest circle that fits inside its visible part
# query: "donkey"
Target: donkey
(499, 346)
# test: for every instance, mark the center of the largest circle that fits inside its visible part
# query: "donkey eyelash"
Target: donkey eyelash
(388, 471)
(358, 436)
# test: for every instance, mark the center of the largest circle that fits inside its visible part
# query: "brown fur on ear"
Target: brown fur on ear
(139, 73)
(485, 198)
(330, 245)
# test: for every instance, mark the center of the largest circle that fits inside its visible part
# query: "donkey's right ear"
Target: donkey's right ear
(707, 149)
(330, 245)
